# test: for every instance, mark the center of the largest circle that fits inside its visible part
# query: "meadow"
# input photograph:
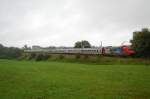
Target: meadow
(70, 80)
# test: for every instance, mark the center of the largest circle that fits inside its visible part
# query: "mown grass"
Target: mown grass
(61, 80)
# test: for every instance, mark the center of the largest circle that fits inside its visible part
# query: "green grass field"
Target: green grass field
(62, 80)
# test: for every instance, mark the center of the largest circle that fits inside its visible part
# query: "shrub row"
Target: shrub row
(83, 58)
(35, 56)
(44, 56)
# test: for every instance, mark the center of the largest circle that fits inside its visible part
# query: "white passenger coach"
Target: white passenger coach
(97, 50)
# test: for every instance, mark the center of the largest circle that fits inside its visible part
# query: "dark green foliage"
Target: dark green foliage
(61, 56)
(49, 56)
(45, 57)
(35, 56)
(82, 44)
(141, 43)
(39, 57)
(98, 56)
(9, 52)
(32, 56)
(25, 47)
(78, 44)
(77, 56)
(86, 56)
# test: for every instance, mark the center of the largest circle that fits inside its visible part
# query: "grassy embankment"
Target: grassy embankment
(87, 59)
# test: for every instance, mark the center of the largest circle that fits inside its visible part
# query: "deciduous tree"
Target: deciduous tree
(141, 42)
(82, 44)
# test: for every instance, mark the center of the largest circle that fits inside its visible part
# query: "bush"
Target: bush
(32, 56)
(99, 56)
(35, 56)
(86, 56)
(61, 57)
(45, 57)
(77, 56)
(49, 56)
(39, 57)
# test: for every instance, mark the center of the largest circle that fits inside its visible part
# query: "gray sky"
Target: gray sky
(63, 22)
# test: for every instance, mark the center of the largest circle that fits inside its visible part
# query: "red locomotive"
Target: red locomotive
(121, 51)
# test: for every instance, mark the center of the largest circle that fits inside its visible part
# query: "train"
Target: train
(114, 51)
(118, 51)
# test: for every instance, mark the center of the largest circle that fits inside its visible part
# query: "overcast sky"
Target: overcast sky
(63, 22)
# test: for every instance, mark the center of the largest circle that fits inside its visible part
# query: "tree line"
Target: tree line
(9, 52)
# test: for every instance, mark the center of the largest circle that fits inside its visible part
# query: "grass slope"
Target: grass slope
(60, 80)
